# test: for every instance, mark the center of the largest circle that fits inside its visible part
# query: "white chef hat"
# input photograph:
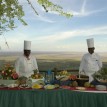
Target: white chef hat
(90, 43)
(27, 45)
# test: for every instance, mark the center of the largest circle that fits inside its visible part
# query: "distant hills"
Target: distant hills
(50, 60)
(52, 55)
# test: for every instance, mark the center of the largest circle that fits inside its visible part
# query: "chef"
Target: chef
(26, 63)
(90, 62)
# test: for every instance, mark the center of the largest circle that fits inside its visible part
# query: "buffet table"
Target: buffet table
(51, 98)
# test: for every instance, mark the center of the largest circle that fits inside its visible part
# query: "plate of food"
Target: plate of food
(49, 86)
(80, 88)
(36, 77)
(62, 74)
(62, 78)
(37, 86)
(24, 86)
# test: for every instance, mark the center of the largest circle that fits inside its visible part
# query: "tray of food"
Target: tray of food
(36, 77)
(101, 76)
(63, 75)
(101, 80)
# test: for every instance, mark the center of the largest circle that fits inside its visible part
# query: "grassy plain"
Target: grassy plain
(50, 60)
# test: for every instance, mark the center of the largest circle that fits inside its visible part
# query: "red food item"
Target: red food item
(14, 75)
(73, 77)
(65, 87)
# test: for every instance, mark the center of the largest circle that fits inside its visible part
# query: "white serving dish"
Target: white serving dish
(101, 87)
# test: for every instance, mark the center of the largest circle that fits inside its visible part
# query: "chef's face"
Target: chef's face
(91, 50)
(27, 53)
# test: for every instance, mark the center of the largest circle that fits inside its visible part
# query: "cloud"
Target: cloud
(39, 18)
(74, 33)
(83, 11)
(54, 42)
(88, 13)
(51, 38)
(45, 19)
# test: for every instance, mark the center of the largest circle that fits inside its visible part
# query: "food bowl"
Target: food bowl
(81, 81)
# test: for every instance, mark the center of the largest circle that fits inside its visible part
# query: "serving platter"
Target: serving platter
(37, 86)
(49, 86)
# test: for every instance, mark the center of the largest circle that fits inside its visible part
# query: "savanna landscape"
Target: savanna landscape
(51, 60)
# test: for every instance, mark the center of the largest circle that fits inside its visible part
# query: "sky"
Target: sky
(53, 32)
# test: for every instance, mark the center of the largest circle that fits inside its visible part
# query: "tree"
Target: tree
(11, 10)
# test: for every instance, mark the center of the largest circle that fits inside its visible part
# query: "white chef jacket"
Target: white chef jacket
(25, 67)
(90, 64)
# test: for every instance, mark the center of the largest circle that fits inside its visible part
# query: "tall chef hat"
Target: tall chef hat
(27, 45)
(90, 43)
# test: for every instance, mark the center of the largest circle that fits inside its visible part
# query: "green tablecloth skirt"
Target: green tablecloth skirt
(51, 98)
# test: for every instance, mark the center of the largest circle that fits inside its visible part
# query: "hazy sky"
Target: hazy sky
(52, 32)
